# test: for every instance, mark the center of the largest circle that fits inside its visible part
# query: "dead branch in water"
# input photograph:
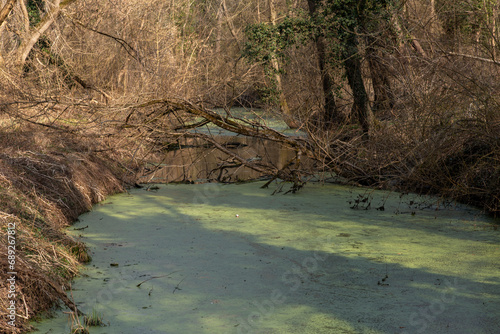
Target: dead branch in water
(153, 277)
(182, 112)
(233, 124)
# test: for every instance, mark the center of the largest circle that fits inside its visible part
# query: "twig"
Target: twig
(128, 48)
(153, 277)
(177, 286)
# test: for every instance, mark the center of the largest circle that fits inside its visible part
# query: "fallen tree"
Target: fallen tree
(428, 157)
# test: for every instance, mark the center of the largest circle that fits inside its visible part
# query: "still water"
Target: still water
(213, 258)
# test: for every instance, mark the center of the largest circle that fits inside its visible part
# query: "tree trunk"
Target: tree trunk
(434, 24)
(219, 29)
(26, 17)
(352, 64)
(41, 27)
(403, 36)
(383, 94)
(230, 25)
(5, 11)
(494, 31)
(331, 114)
(284, 109)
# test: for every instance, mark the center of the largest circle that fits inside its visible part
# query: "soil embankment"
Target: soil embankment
(47, 179)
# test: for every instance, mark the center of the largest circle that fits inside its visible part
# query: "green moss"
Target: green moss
(81, 253)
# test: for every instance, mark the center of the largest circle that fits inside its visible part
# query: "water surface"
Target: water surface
(214, 258)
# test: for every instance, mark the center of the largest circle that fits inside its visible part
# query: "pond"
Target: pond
(214, 258)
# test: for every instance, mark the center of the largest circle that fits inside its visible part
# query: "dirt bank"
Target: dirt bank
(47, 179)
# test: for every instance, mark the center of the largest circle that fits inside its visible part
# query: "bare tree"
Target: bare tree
(331, 113)
(283, 104)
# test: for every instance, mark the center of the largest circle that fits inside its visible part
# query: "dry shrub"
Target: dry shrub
(453, 141)
(462, 164)
(42, 270)
(442, 137)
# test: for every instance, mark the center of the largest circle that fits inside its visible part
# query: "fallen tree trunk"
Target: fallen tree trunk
(302, 146)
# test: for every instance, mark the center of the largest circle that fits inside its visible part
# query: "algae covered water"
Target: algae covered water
(213, 258)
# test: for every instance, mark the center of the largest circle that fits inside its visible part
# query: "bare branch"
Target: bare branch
(41, 27)
(491, 61)
(128, 48)
(5, 11)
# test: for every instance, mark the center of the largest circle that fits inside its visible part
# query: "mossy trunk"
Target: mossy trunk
(352, 65)
(331, 112)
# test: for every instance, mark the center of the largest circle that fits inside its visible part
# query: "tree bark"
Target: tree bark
(331, 114)
(352, 65)
(283, 104)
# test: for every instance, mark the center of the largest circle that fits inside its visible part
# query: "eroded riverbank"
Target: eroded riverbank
(214, 258)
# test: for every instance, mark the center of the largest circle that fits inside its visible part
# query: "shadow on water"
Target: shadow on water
(233, 259)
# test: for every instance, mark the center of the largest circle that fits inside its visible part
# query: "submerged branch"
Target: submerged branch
(153, 277)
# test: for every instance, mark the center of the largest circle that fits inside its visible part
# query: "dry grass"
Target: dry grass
(47, 179)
